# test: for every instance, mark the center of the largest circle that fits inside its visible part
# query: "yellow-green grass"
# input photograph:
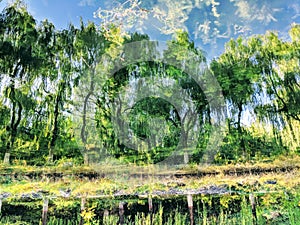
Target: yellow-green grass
(124, 184)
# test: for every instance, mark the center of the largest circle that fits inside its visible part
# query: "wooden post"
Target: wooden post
(190, 205)
(82, 208)
(105, 217)
(105, 213)
(45, 211)
(150, 204)
(6, 158)
(121, 213)
(253, 207)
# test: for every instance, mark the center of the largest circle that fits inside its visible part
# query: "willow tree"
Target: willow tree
(146, 82)
(237, 73)
(186, 57)
(261, 74)
(278, 61)
(19, 60)
(60, 79)
(119, 77)
(90, 45)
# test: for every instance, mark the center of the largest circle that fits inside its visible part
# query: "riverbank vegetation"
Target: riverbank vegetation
(229, 126)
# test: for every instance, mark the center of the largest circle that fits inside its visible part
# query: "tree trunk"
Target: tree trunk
(185, 154)
(83, 134)
(240, 132)
(292, 130)
(85, 157)
(15, 121)
(55, 130)
(186, 157)
(50, 155)
(240, 108)
(6, 159)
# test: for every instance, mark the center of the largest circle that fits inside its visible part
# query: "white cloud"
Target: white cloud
(296, 8)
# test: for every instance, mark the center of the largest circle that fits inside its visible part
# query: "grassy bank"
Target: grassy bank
(221, 194)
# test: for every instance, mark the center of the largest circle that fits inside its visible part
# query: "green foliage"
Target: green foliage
(256, 147)
(49, 77)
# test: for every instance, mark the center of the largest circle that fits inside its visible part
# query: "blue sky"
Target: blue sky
(210, 23)
(62, 12)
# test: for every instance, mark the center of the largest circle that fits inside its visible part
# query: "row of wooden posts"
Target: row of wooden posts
(121, 208)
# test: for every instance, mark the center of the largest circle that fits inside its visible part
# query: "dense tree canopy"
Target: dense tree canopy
(57, 101)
